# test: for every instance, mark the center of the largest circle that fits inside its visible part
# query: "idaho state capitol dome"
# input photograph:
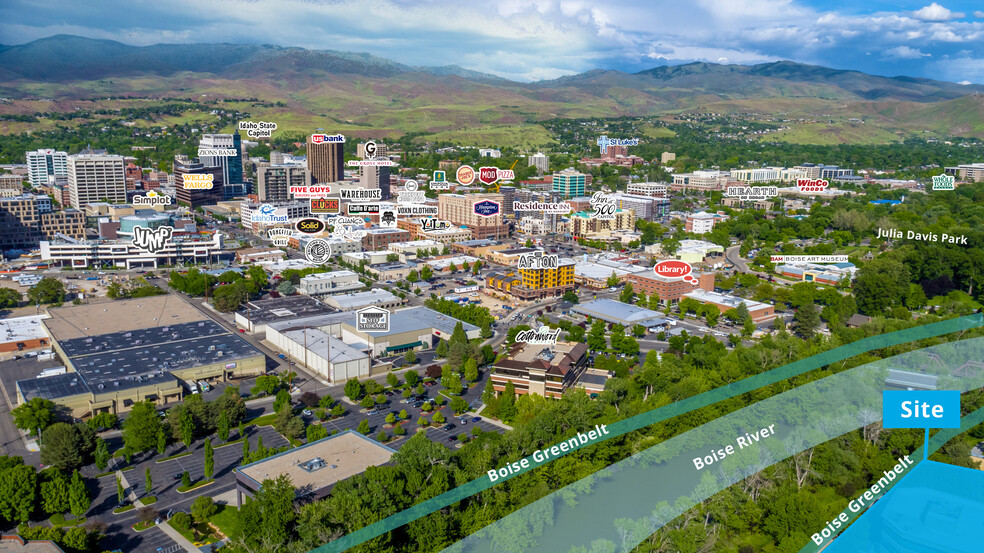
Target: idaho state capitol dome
(147, 220)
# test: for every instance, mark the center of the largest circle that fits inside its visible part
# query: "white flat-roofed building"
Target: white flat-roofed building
(612, 311)
(445, 263)
(540, 161)
(44, 165)
(338, 245)
(92, 178)
(760, 312)
(448, 235)
(67, 252)
(357, 300)
(329, 356)
(414, 246)
(645, 207)
(22, 333)
(489, 152)
(651, 189)
(333, 282)
(701, 181)
(371, 258)
(277, 267)
(596, 274)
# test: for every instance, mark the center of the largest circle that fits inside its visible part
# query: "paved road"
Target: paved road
(732, 254)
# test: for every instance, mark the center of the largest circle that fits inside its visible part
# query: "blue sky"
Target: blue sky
(542, 39)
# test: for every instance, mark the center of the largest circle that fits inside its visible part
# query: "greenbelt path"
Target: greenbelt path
(664, 413)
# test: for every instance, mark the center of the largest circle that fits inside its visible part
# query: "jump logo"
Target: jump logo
(151, 240)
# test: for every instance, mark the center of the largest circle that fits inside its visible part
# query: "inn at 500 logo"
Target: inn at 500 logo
(372, 319)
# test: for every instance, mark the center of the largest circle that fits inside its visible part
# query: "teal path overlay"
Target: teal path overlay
(664, 413)
(618, 507)
(972, 481)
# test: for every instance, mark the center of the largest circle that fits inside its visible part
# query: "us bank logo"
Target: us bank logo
(487, 208)
(372, 319)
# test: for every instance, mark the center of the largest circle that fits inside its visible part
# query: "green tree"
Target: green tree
(711, 315)
(141, 426)
(187, 428)
(570, 296)
(161, 441)
(48, 290)
(748, 328)
(185, 480)
(286, 288)
(413, 276)
(267, 522)
(613, 280)
(596, 336)
(227, 298)
(391, 419)
(102, 454)
(471, 370)
(63, 446)
(459, 405)
(203, 508)
(148, 482)
(438, 417)
(410, 357)
(353, 389)
(638, 331)
(412, 377)
(338, 410)
(627, 295)
(120, 492)
(245, 448)
(363, 427)
(79, 499)
(507, 402)
(18, 490)
(742, 315)
(368, 402)
(392, 380)
(315, 432)
(209, 460)
(880, 284)
(9, 298)
(223, 428)
(34, 416)
(441, 350)
(426, 273)
(54, 491)
(806, 321)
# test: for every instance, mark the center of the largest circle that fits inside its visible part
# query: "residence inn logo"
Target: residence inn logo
(372, 319)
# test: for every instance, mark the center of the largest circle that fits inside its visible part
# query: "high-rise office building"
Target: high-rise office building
(376, 177)
(195, 197)
(273, 182)
(231, 166)
(96, 178)
(44, 164)
(569, 183)
(540, 161)
(326, 161)
(27, 219)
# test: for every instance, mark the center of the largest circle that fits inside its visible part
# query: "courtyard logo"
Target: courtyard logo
(373, 319)
(151, 240)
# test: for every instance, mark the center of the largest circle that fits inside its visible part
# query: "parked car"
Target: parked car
(449, 426)
(372, 412)
(451, 438)
(405, 400)
(463, 421)
(476, 419)
(177, 476)
(307, 412)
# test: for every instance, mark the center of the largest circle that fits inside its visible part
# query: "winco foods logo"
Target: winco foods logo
(373, 319)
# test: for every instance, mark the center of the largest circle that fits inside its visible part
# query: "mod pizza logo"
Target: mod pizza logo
(487, 208)
(812, 185)
(489, 175)
(675, 269)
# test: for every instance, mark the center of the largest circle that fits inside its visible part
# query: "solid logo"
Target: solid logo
(675, 269)
(487, 208)
(318, 251)
(151, 240)
(310, 226)
(372, 319)
(324, 205)
(465, 175)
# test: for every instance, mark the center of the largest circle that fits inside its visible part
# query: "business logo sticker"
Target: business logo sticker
(387, 218)
(151, 240)
(195, 181)
(327, 138)
(604, 207)
(258, 130)
(943, 182)
(440, 181)
(487, 208)
(811, 185)
(465, 175)
(318, 251)
(280, 236)
(266, 213)
(324, 205)
(152, 198)
(372, 319)
(676, 269)
(310, 226)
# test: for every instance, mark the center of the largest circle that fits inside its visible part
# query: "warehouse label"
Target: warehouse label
(361, 194)
(372, 319)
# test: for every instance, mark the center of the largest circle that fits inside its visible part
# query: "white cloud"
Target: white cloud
(903, 53)
(979, 14)
(936, 12)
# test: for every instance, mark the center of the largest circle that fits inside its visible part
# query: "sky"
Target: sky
(530, 40)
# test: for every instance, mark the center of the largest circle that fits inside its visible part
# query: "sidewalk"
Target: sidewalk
(178, 538)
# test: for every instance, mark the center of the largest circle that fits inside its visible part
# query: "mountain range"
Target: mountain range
(365, 91)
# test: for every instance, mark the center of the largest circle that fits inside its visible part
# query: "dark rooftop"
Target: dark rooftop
(52, 387)
(143, 337)
(284, 308)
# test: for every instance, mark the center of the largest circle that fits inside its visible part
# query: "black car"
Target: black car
(451, 438)
(449, 426)
(177, 476)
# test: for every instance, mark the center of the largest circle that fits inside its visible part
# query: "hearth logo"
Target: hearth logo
(151, 240)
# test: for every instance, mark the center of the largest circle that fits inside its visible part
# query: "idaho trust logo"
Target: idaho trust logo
(151, 240)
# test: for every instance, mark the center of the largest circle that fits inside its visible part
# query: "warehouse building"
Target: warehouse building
(23, 333)
(548, 370)
(760, 312)
(314, 468)
(357, 300)
(128, 351)
(257, 314)
(616, 312)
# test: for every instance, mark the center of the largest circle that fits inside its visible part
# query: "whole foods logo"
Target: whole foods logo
(327, 138)
(151, 240)
(465, 175)
(811, 185)
(372, 319)
(318, 251)
(152, 198)
(324, 205)
(676, 269)
(943, 182)
(279, 236)
(487, 208)
(310, 226)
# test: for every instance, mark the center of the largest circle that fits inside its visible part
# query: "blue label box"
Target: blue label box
(921, 409)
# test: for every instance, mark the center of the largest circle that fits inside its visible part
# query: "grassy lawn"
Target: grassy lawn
(129, 507)
(265, 420)
(142, 526)
(195, 485)
(149, 500)
(233, 442)
(199, 534)
(226, 520)
(174, 456)
(58, 520)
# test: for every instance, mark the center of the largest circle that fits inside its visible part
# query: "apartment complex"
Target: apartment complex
(540, 161)
(464, 210)
(649, 208)
(569, 183)
(273, 182)
(652, 189)
(669, 289)
(534, 283)
(11, 185)
(381, 238)
(27, 219)
(821, 171)
(44, 165)
(95, 178)
(703, 222)
(585, 227)
(700, 181)
(547, 370)
(326, 161)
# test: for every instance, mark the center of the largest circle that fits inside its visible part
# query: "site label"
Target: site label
(921, 409)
